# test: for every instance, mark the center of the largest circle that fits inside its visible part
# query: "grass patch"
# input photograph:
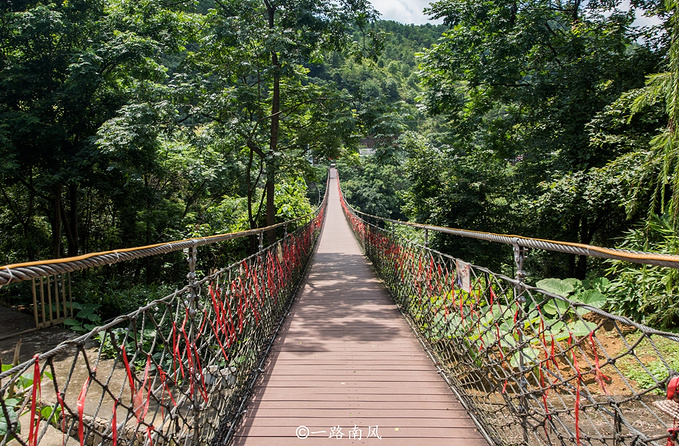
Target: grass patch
(654, 360)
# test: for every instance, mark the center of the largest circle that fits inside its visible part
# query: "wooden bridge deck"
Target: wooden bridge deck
(346, 365)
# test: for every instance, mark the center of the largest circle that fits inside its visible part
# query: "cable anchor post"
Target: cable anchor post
(191, 278)
(192, 305)
(618, 438)
(519, 258)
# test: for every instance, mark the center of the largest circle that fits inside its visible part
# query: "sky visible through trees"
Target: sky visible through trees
(403, 11)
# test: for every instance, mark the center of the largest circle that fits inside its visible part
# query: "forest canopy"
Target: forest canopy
(131, 122)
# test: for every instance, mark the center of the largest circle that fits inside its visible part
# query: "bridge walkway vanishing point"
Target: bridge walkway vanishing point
(346, 365)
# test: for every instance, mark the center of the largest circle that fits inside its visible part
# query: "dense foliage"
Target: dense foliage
(543, 119)
(126, 123)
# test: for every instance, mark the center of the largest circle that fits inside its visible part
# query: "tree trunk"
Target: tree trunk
(585, 238)
(273, 142)
(270, 206)
(56, 222)
(28, 225)
(71, 221)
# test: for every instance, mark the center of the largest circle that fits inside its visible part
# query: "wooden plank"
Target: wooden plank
(371, 419)
(329, 362)
(346, 359)
(338, 379)
(416, 415)
(445, 407)
(298, 398)
(294, 441)
(384, 431)
(385, 371)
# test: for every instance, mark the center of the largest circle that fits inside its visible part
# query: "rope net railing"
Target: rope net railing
(530, 366)
(647, 258)
(33, 270)
(176, 371)
(52, 285)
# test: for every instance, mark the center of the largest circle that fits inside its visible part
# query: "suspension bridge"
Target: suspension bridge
(301, 343)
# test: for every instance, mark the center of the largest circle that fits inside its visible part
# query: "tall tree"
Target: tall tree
(520, 82)
(68, 68)
(664, 154)
(259, 87)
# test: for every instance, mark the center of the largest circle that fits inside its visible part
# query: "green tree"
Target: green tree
(258, 87)
(664, 154)
(520, 84)
(67, 69)
(375, 183)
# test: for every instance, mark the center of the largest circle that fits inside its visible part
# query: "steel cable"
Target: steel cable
(175, 370)
(531, 367)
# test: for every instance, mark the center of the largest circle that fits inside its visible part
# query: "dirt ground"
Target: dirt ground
(13, 322)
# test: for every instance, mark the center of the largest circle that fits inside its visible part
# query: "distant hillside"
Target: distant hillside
(385, 90)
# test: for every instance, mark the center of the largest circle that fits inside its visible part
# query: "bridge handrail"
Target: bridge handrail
(23, 271)
(647, 258)
(179, 369)
(529, 365)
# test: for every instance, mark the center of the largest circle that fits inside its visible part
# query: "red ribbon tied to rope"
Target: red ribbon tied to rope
(35, 422)
(81, 409)
(673, 395)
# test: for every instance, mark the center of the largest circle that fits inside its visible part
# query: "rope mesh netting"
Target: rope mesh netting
(530, 366)
(173, 372)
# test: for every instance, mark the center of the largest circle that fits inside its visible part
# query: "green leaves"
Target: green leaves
(291, 200)
(647, 294)
(526, 357)
(589, 292)
(523, 86)
(581, 328)
(592, 298)
(13, 418)
(556, 307)
(557, 286)
(86, 317)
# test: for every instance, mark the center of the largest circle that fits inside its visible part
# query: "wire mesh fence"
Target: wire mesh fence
(176, 371)
(531, 366)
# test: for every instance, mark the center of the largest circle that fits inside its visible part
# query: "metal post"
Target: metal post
(426, 238)
(191, 304)
(617, 424)
(520, 299)
(519, 257)
(261, 241)
(191, 276)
